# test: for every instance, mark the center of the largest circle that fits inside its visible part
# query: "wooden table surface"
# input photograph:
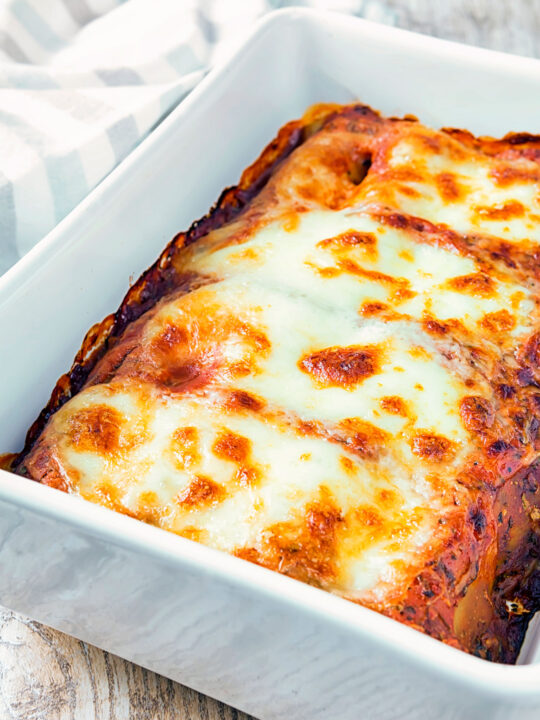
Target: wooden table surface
(46, 675)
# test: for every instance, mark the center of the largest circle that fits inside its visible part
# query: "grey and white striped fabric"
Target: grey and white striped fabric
(82, 81)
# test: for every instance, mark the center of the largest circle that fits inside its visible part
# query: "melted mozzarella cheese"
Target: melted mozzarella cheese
(302, 408)
(295, 261)
(465, 192)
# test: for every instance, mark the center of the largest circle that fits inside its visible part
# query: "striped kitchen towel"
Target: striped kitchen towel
(82, 81)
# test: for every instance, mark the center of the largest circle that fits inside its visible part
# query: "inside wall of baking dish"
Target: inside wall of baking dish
(81, 271)
(443, 84)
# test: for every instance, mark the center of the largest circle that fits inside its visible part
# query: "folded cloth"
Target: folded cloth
(83, 81)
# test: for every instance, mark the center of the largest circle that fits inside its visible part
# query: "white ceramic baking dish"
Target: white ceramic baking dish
(259, 641)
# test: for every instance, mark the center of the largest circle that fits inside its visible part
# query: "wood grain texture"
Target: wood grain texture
(506, 25)
(45, 675)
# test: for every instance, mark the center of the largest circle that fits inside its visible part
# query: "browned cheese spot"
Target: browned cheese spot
(506, 211)
(363, 438)
(310, 427)
(241, 400)
(384, 520)
(419, 352)
(364, 241)
(505, 175)
(322, 519)
(398, 284)
(373, 308)
(291, 221)
(185, 358)
(404, 174)
(192, 533)
(387, 498)
(183, 375)
(247, 476)
(476, 413)
(499, 321)
(369, 517)
(435, 327)
(394, 405)
(258, 346)
(171, 336)
(435, 448)
(516, 299)
(249, 254)
(241, 368)
(350, 238)
(237, 449)
(474, 284)
(201, 492)
(448, 186)
(305, 548)
(406, 255)
(109, 495)
(174, 361)
(409, 191)
(344, 367)
(325, 272)
(402, 294)
(530, 353)
(256, 338)
(398, 220)
(229, 446)
(185, 447)
(439, 328)
(442, 144)
(149, 509)
(96, 429)
(431, 143)
(347, 465)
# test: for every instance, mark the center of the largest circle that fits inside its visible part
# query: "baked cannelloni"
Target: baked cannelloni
(336, 375)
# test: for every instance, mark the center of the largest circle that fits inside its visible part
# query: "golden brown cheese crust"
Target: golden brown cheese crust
(478, 585)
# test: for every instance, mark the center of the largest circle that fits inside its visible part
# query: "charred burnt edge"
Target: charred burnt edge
(478, 519)
(517, 577)
(521, 138)
(159, 279)
(153, 284)
(511, 138)
(246, 196)
(527, 591)
(94, 345)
